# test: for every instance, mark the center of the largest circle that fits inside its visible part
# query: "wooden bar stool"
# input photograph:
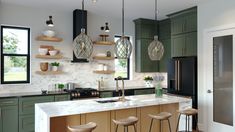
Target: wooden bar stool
(89, 127)
(130, 121)
(161, 117)
(187, 112)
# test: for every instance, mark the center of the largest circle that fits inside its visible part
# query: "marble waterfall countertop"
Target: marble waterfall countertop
(55, 109)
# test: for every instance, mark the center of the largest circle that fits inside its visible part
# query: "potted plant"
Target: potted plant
(148, 81)
(55, 66)
(60, 87)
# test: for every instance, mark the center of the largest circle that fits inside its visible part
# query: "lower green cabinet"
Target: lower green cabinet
(9, 115)
(106, 94)
(26, 123)
(62, 97)
(144, 91)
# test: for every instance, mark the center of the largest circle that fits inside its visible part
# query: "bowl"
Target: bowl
(53, 52)
(43, 51)
(49, 33)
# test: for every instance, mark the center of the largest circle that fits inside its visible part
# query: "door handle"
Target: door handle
(209, 91)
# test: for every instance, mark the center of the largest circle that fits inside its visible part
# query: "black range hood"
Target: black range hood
(77, 25)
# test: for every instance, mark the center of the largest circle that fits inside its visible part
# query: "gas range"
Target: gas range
(82, 93)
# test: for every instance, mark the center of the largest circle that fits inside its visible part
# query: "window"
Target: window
(122, 66)
(15, 55)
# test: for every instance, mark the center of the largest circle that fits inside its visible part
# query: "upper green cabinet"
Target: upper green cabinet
(9, 115)
(184, 21)
(145, 30)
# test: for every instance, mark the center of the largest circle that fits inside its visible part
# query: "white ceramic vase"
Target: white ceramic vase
(148, 83)
(54, 68)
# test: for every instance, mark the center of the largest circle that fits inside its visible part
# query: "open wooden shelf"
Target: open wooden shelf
(104, 72)
(49, 56)
(51, 39)
(103, 58)
(49, 72)
(104, 43)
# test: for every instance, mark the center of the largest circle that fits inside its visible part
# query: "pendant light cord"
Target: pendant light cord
(156, 10)
(123, 18)
(82, 13)
(155, 22)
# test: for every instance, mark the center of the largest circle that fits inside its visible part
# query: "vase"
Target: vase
(44, 66)
(148, 83)
(54, 68)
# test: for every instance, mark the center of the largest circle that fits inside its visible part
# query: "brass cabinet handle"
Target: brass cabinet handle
(178, 75)
(176, 85)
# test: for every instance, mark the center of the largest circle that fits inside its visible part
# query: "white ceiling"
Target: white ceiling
(112, 8)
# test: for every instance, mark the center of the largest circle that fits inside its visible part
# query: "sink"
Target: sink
(111, 101)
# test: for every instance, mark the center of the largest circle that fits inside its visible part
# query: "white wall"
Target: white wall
(75, 72)
(210, 14)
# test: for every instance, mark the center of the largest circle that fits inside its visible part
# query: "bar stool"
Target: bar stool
(187, 112)
(161, 117)
(89, 127)
(126, 122)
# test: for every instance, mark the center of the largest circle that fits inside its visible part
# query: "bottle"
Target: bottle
(158, 90)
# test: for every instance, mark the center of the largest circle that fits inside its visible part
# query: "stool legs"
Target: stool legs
(178, 122)
(126, 128)
(151, 125)
(160, 128)
(169, 124)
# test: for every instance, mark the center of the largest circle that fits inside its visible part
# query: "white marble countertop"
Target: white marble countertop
(56, 109)
(126, 88)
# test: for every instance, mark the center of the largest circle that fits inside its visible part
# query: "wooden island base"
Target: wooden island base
(105, 124)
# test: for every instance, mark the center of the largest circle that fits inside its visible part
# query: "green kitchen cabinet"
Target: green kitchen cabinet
(62, 97)
(166, 56)
(106, 94)
(184, 45)
(142, 60)
(184, 21)
(145, 28)
(164, 29)
(26, 123)
(143, 91)
(9, 115)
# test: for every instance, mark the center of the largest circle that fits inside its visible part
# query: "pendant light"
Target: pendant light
(156, 48)
(82, 45)
(123, 47)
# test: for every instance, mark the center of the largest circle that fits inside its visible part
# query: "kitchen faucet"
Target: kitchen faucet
(122, 98)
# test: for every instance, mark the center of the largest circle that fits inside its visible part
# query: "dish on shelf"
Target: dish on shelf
(49, 33)
(43, 51)
(53, 52)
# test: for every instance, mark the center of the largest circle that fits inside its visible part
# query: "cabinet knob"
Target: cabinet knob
(209, 91)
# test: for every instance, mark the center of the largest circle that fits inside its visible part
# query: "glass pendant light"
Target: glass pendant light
(123, 47)
(156, 48)
(82, 45)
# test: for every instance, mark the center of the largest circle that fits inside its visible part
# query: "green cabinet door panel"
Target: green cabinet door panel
(177, 45)
(166, 55)
(62, 97)
(8, 102)
(164, 29)
(26, 104)
(106, 94)
(143, 62)
(144, 91)
(145, 28)
(26, 123)
(177, 25)
(191, 44)
(191, 22)
(9, 119)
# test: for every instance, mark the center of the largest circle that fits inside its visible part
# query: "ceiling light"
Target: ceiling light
(156, 48)
(123, 47)
(50, 22)
(82, 45)
(94, 1)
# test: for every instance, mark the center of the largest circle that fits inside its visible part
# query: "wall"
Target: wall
(210, 14)
(75, 72)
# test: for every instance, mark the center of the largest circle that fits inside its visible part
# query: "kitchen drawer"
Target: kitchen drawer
(144, 91)
(62, 97)
(26, 123)
(9, 102)
(26, 104)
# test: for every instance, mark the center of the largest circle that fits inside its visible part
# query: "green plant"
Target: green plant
(148, 78)
(60, 86)
(55, 64)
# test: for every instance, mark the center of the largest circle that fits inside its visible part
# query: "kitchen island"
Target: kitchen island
(56, 116)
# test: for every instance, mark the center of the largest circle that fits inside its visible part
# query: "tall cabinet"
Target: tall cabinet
(184, 33)
(145, 30)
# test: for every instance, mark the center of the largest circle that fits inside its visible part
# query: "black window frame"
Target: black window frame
(17, 55)
(128, 61)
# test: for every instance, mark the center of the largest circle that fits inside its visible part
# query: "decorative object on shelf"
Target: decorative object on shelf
(53, 52)
(43, 51)
(50, 22)
(55, 66)
(156, 48)
(108, 54)
(82, 45)
(49, 33)
(44, 66)
(104, 37)
(148, 81)
(60, 87)
(105, 28)
(123, 47)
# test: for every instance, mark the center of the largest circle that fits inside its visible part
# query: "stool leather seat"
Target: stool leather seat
(190, 111)
(161, 116)
(126, 121)
(83, 128)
